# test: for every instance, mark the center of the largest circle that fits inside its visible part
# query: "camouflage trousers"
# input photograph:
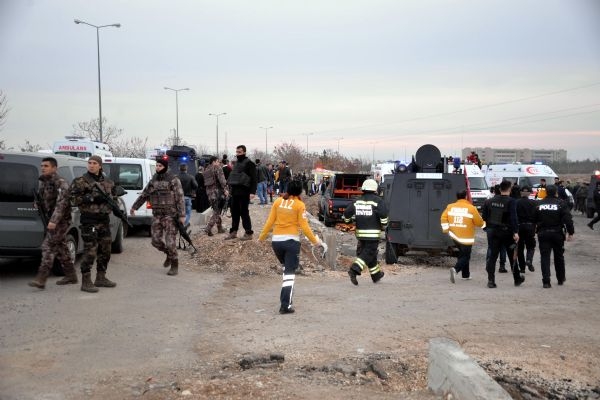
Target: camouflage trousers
(215, 218)
(163, 226)
(54, 246)
(96, 246)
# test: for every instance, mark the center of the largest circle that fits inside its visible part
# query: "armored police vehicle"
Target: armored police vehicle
(416, 195)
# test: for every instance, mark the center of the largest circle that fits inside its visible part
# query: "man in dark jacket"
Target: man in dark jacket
(189, 186)
(371, 216)
(552, 217)
(502, 227)
(242, 181)
(525, 214)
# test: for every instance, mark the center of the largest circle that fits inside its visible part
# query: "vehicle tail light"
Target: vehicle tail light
(330, 204)
(148, 205)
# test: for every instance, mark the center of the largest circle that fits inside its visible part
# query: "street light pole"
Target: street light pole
(176, 112)
(266, 130)
(338, 140)
(217, 115)
(78, 21)
(307, 135)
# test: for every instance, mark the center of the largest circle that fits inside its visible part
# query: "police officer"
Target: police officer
(502, 227)
(54, 194)
(371, 216)
(596, 198)
(216, 189)
(95, 223)
(552, 217)
(526, 214)
(165, 194)
(189, 186)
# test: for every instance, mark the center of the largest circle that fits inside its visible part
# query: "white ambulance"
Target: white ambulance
(521, 174)
(77, 146)
(478, 187)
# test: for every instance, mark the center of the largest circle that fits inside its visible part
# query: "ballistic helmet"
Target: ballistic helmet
(369, 185)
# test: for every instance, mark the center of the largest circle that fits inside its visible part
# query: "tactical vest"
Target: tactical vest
(550, 214)
(85, 185)
(162, 196)
(210, 176)
(499, 214)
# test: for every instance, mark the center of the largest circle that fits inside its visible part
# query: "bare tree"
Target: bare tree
(132, 147)
(3, 111)
(91, 129)
(29, 147)
(2, 144)
(293, 154)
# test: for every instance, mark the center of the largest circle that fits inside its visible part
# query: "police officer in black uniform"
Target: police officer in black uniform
(526, 213)
(500, 215)
(552, 216)
(371, 216)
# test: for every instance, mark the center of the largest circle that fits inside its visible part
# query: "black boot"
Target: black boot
(86, 283)
(376, 277)
(174, 268)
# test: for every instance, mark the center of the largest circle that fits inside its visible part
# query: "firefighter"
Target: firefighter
(459, 220)
(371, 217)
(552, 216)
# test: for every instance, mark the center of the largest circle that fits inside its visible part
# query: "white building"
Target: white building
(499, 156)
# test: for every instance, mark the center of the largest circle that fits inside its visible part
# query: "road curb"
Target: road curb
(452, 371)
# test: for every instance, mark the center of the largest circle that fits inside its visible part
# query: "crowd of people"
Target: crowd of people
(511, 219)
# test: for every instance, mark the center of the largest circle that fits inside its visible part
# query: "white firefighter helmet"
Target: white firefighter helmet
(369, 185)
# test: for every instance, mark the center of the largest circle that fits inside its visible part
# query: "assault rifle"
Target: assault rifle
(113, 205)
(184, 233)
(39, 203)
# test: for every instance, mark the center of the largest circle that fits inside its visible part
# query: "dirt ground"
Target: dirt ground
(371, 341)
(214, 331)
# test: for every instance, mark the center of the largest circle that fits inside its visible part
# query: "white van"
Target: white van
(133, 174)
(478, 187)
(80, 147)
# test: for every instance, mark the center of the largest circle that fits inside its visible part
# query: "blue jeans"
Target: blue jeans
(261, 191)
(188, 209)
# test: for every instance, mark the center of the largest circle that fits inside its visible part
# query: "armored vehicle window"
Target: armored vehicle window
(17, 182)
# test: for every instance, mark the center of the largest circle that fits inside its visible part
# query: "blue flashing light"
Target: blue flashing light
(184, 158)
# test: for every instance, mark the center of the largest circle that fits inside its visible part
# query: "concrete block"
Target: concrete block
(450, 370)
(199, 220)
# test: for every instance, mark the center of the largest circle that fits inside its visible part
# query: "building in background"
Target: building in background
(489, 155)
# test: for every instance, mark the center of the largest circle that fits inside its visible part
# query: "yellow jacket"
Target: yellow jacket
(287, 218)
(459, 221)
(541, 193)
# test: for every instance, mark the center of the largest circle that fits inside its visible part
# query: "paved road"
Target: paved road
(56, 342)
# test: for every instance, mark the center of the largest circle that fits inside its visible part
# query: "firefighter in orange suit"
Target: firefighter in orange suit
(459, 220)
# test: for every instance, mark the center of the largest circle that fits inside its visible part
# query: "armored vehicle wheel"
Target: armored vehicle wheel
(390, 253)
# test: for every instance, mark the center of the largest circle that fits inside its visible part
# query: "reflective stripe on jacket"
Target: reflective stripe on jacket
(459, 221)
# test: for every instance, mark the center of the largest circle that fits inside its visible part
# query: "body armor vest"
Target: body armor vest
(162, 196)
(499, 215)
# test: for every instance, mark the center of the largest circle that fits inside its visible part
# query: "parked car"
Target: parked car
(21, 228)
(342, 190)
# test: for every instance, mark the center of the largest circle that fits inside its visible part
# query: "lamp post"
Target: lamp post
(78, 21)
(266, 130)
(176, 112)
(338, 140)
(307, 135)
(217, 115)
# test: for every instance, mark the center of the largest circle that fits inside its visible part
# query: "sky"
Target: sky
(376, 78)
